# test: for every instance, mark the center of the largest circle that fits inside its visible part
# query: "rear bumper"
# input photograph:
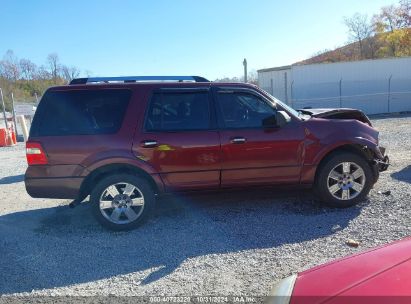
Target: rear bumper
(56, 187)
(54, 181)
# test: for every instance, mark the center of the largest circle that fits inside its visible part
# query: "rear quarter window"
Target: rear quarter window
(80, 112)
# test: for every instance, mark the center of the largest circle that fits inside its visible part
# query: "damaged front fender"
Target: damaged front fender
(379, 157)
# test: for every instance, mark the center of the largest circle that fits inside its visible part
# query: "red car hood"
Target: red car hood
(382, 272)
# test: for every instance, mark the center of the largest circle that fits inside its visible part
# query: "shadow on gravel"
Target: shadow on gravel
(57, 247)
(12, 179)
(403, 175)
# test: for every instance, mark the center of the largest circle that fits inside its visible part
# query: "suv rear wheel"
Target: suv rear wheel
(344, 180)
(122, 202)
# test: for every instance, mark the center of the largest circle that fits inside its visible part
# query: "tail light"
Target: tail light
(35, 154)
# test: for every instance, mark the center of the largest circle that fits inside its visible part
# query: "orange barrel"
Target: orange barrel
(3, 137)
(7, 138)
(12, 137)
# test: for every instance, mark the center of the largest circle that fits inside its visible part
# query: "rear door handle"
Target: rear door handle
(238, 140)
(149, 143)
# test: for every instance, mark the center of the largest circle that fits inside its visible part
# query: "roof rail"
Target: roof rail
(138, 78)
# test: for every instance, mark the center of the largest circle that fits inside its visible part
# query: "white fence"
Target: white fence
(374, 86)
(372, 96)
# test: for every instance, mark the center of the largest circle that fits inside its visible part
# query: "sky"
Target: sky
(176, 37)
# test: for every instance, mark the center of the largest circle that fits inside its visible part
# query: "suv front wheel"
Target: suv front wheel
(344, 179)
(122, 202)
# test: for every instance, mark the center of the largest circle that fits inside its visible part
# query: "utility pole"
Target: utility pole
(14, 114)
(245, 69)
(389, 93)
(4, 109)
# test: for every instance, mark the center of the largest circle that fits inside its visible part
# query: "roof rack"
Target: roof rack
(126, 79)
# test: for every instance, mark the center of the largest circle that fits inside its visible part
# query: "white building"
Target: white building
(374, 86)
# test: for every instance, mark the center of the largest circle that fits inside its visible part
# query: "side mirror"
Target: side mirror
(270, 122)
(276, 121)
(282, 118)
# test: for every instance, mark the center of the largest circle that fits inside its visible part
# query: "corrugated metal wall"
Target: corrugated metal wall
(374, 86)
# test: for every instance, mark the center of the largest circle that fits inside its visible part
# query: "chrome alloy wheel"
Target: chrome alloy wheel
(121, 203)
(346, 181)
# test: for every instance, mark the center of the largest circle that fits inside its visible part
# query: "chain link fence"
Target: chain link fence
(25, 109)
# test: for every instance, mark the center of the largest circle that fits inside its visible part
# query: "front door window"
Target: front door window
(242, 110)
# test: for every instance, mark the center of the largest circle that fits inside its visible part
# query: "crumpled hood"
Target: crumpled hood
(338, 113)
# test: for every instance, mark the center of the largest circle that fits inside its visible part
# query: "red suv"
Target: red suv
(125, 140)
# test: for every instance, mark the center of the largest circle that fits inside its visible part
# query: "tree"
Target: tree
(359, 29)
(69, 73)
(228, 79)
(28, 69)
(43, 73)
(53, 64)
(393, 27)
(252, 77)
(405, 13)
(9, 66)
(25, 79)
(387, 20)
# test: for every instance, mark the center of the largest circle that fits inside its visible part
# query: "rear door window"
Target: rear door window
(178, 111)
(80, 112)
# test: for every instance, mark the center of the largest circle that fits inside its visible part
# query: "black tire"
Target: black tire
(142, 188)
(322, 184)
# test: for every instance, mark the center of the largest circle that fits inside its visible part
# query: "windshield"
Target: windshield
(282, 104)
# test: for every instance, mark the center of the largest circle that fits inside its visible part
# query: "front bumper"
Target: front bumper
(383, 162)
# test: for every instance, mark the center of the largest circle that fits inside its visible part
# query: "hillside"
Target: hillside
(374, 48)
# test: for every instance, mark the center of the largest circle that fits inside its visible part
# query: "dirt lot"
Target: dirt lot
(231, 244)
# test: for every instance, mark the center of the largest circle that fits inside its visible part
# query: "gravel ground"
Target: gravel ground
(228, 244)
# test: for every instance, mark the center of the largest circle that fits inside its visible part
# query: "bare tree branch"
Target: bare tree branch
(28, 69)
(69, 73)
(53, 65)
(359, 29)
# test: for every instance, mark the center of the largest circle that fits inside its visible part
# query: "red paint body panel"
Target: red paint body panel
(267, 156)
(384, 271)
(185, 160)
(324, 135)
(308, 174)
(395, 281)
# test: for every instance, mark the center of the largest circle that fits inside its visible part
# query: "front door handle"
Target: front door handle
(149, 143)
(238, 140)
